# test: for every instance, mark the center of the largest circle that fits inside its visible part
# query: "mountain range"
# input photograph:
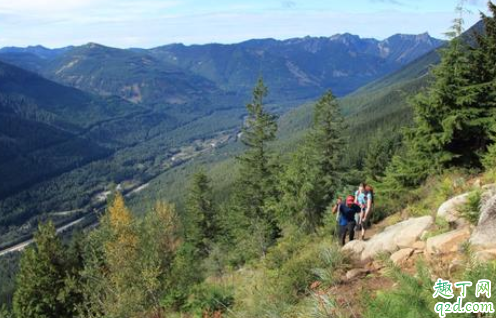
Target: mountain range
(81, 117)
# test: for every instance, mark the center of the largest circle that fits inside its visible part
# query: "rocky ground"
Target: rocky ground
(406, 241)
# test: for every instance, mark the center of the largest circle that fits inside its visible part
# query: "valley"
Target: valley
(164, 111)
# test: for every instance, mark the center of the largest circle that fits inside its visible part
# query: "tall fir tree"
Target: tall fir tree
(447, 121)
(484, 69)
(257, 185)
(44, 284)
(311, 179)
(200, 227)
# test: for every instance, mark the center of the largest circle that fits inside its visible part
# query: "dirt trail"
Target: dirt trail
(349, 292)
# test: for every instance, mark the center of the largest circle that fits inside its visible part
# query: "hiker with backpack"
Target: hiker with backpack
(346, 219)
(360, 200)
(367, 210)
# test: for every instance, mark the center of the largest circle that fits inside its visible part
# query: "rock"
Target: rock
(355, 273)
(401, 256)
(448, 242)
(400, 235)
(449, 209)
(355, 247)
(419, 245)
(484, 235)
(486, 255)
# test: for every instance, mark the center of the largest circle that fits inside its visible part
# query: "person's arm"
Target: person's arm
(335, 208)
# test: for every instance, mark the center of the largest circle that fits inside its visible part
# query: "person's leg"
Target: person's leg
(362, 225)
(351, 229)
(342, 234)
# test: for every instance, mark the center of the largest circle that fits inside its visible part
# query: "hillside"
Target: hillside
(302, 67)
(296, 69)
(43, 127)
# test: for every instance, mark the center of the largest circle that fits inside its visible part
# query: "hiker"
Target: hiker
(347, 223)
(336, 210)
(369, 204)
(361, 201)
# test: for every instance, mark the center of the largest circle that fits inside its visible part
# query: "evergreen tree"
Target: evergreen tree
(312, 178)
(450, 127)
(484, 70)
(379, 154)
(200, 224)
(43, 283)
(257, 183)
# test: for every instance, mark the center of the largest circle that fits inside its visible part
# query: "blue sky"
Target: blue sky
(149, 23)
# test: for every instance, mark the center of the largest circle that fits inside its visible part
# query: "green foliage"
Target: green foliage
(471, 210)
(416, 291)
(128, 263)
(9, 268)
(46, 286)
(382, 148)
(312, 178)
(256, 185)
(186, 273)
(333, 261)
(455, 117)
(200, 221)
(5, 312)
(208, 299)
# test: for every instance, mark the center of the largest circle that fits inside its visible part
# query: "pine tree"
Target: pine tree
(448, 131)
(200, 224)
(311, 179)
(42, 284)
(257, 183)
(327, 143)
(379, 154)
(484, 70)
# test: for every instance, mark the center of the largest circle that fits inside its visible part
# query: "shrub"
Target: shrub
(471, 210)
(207, 299)
(332, 259)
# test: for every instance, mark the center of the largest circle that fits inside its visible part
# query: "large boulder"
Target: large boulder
(355, 248)
(486, 255)
(484, 235)
(447, 243)
(397, 236)
(401, 256)
(449, 209)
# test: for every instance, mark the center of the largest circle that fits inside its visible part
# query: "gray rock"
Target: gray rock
(484, 235)
(449, 242)
(419, 245)
(397, 236)
(401, 256)
(355, 247)
(486, 255)
(449, 209)
(355, 273)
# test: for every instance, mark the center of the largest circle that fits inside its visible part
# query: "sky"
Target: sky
(151, 23)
